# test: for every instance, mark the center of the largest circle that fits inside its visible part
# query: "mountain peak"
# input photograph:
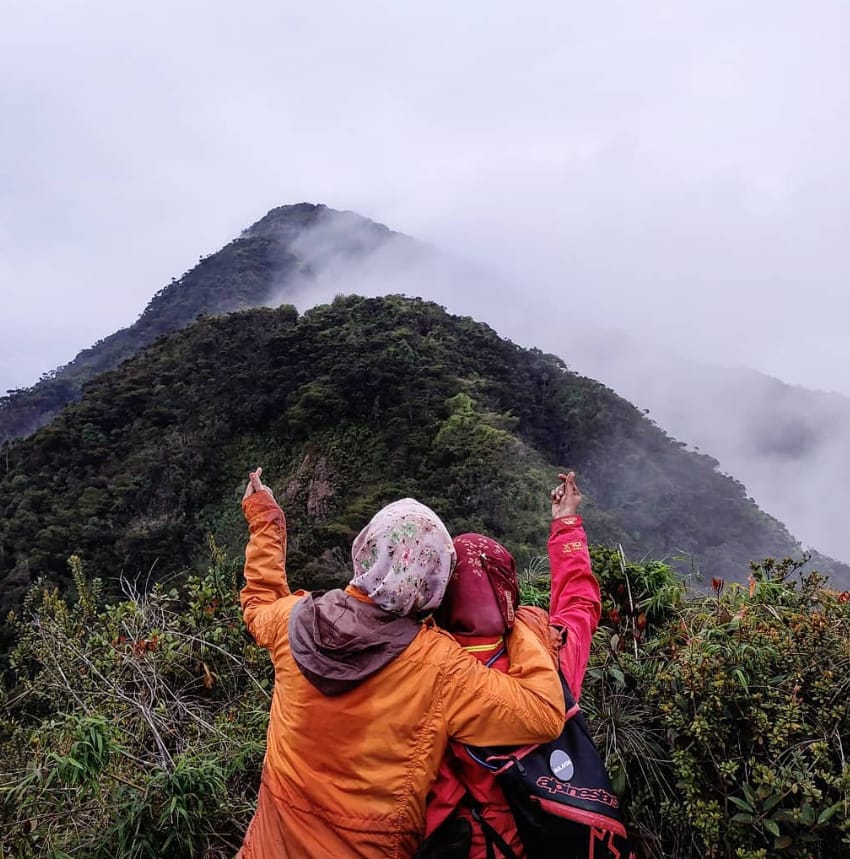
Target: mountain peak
(285, 246)
(286, 223)
(294, 217)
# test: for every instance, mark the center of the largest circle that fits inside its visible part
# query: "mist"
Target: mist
(789, 446)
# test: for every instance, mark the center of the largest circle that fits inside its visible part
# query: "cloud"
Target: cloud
(678, 167)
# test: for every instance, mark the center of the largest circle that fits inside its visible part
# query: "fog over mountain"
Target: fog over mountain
(790, 446)
(674, 171)
(678, 170)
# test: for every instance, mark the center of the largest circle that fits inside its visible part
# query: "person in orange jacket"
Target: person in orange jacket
(480, 609)
(366, 695)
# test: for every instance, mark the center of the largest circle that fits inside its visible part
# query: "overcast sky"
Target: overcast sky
(680, 169)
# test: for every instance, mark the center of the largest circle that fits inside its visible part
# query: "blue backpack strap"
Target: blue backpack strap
(495, 657)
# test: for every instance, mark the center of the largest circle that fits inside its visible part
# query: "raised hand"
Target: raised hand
(255, 484)
(566, 497)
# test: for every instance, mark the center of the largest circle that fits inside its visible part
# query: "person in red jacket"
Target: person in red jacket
(479, 609)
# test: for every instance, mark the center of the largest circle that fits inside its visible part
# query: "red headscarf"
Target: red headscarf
(482, 594)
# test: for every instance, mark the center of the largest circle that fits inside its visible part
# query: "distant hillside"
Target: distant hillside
(262, 262)
(346, 407)
(789, 445)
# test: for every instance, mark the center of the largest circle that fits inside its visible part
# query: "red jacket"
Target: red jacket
(574, 612)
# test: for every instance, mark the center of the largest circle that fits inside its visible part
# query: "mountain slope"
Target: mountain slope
(305, 254)
(263, 261)
(349, 406)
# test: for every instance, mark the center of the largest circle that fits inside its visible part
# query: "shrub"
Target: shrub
(137, 730)
(724, 718)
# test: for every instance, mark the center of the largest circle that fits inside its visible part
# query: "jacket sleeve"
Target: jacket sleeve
(575, 604)
(488, 708)
(265, 567)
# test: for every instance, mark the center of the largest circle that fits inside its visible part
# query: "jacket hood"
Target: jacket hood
(338, 641)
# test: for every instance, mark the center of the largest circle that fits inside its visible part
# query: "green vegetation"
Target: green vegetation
(349, 406)
(723, 718)
(134, 708)
(136, 729)
(132, 717)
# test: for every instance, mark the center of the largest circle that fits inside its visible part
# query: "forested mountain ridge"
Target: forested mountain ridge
(347, 407)
(308, 253)
(243, 274)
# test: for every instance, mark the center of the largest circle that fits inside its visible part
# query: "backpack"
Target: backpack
(560, 796)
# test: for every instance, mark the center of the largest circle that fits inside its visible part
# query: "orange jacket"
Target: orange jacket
(347, 776)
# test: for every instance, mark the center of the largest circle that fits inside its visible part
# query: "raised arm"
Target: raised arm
(485, 707)
(265, 561)
(575, 604)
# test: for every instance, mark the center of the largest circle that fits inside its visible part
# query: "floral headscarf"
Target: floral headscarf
(403, 558)
(483, 593)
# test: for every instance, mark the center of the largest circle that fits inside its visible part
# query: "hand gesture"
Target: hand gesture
(255, 484)
(566, 497)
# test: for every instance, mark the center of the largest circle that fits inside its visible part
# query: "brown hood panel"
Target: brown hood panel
(338, 641)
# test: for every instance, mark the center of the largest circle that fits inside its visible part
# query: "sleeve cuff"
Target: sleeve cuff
(564, 523)
(260, 504)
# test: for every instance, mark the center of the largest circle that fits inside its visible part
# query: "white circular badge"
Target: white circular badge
(561, 765)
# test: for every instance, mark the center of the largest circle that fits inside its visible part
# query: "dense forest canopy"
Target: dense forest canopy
(348, 406)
